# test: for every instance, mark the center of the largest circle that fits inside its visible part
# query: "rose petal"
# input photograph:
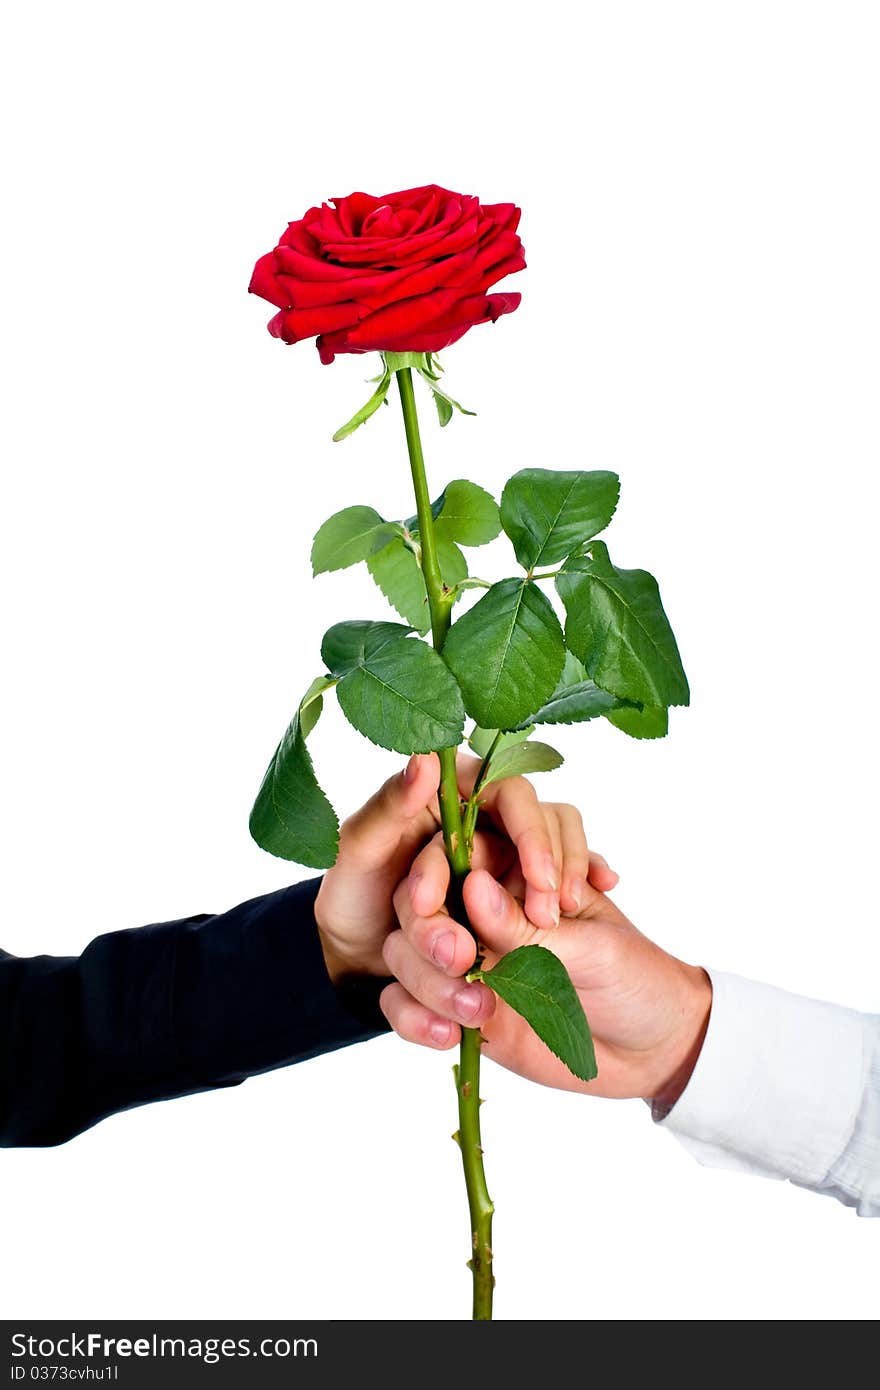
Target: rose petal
(406, 316)
(450, 234)
(308, 294)
(314, 267)
(264, 282)
(505, 215)
(480, 309)
(475, 309)
(295, 324)
(506, 248)
(407, 271)
(418, 279)
(299, 237)
(352, 211)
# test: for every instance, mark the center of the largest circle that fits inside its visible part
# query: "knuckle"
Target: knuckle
(535, 836)
(572, 815)
(390, 789)
(412, 1023)
(348, 831)
(391, 950)
(401, 900)
(425, 1025)
(422, 933)
(389, 1001)
(518, 788)
(417, 929)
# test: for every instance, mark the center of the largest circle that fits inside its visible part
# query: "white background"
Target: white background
(701, 218)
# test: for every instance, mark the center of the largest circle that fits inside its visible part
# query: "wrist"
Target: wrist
(345, 963)
(337, 961)
(681, 1056)
(344, 954)
(333, 959)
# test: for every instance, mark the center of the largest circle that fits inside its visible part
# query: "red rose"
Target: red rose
(404, 273)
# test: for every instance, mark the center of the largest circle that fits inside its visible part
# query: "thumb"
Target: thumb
(411, 792)
(497, 918)
(395, 808)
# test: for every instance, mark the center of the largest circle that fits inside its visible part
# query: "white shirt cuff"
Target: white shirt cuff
(778, 1083)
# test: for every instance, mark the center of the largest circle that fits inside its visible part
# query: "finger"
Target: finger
(493, 852)
(413, 1022)
(455, 999)
(397, 808)
(542, 907)
(575, 856)
(513, 881)
(514, 807)
(439, 940)
(497, 918)
(601, 874)
(428, 878)
(404, 796)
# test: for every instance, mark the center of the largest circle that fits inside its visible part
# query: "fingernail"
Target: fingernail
(496, 898)
(467, 1002)
(554, 911)
(412, 767)
(443, 948)
(440, 1030)
(576, 892)
(552, 876)
(413, 882)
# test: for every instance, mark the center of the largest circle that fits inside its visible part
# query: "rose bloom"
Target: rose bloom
(407, 272)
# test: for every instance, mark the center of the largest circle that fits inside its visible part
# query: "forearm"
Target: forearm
(785, 1086)
(168, 1010)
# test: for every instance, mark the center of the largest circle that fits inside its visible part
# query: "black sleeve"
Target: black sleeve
(167, 1010)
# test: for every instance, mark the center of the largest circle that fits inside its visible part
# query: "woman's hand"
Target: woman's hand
(541, 848)
(648, 1011)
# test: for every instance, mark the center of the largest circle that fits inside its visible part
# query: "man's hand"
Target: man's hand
(648, 1011)
(354, 908)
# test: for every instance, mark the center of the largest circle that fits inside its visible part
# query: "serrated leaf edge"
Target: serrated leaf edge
(486, 977)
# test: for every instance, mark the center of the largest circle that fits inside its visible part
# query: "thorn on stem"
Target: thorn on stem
(466, 1089)
(457, 1137)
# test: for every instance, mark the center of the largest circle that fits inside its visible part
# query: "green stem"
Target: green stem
(472, 810)
(467, 1073)
(467, 1084)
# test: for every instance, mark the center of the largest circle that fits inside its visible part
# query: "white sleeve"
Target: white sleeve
(786, 1087)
